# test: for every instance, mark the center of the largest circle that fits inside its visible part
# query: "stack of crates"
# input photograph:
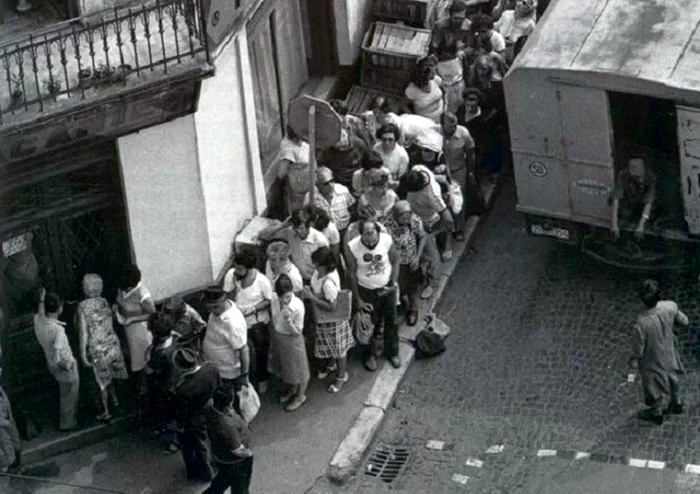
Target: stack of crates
(413, 13)
(389, 55)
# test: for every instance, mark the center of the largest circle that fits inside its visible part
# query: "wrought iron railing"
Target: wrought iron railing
(114, 48)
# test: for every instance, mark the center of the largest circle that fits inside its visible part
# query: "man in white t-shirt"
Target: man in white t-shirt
(252, 292)
(483, 26)
(373, 268)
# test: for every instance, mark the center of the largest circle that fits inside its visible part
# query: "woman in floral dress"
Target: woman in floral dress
(99, 345)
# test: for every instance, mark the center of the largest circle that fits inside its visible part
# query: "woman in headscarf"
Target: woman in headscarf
(99, 345)
(409, 236)
(279, 263)
(424, 93)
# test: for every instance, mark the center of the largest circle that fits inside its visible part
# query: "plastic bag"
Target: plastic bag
(249, 402)
(362, 327)
(455, 199)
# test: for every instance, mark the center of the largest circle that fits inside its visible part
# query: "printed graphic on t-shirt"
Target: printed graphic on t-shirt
(375, 264)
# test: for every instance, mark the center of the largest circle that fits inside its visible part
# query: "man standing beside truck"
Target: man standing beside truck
(635, 190)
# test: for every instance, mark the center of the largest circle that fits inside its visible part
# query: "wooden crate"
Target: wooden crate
(360, 98)
(389, 55)
(410, 12)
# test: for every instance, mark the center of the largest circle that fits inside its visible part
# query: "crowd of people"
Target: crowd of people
(361, 243)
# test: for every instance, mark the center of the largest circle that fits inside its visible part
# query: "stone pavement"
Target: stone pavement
(537, 360)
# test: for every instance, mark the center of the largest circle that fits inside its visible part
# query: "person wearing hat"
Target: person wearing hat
(279, 263)
(230, 446)
(334, 198)
(185, 322)
(193, 391)
(226, 340)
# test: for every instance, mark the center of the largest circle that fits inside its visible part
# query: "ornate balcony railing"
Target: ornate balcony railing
(120, 46)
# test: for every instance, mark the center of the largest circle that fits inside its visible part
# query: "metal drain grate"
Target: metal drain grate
(387, 462)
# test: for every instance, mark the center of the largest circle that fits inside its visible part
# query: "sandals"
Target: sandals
(338, 384)
(104, 418)
(286, 397)
(322, 374)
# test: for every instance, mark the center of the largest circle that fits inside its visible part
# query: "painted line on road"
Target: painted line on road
(622, 460)
(690, 468)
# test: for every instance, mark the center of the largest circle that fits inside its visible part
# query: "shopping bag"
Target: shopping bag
(362, 327)
(455, 199)
(249, 402)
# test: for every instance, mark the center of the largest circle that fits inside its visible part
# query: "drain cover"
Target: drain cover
(387, 462)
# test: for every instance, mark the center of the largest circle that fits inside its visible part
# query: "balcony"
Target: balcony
(72, 64)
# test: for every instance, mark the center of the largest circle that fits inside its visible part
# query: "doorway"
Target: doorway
(646, 127)
(63, 216)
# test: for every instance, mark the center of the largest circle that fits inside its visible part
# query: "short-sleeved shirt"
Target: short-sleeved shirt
(427, 104)
(396, 160)
(247, 298)
(130, 302)
(332, 234)
(338, 206)
(290, 270)
(326, 287)
(512, 28)
(225, 336)
(453, 148)
(636, 193)
(302, 249)
(289, 319)
(498, 42)
(406, 237)
(446, 41)
(427, 203)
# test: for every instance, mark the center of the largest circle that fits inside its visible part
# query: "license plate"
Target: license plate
(560, 233)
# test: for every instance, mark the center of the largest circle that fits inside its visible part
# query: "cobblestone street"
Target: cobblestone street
(537, 360)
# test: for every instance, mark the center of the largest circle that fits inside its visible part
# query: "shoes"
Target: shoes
(674, 409)
(322, 374)
(286, 397)
(412, 317)
(649, 416)
(395, 361)
(427, 292)
(338, 384)
(295, 403)
(371, 364)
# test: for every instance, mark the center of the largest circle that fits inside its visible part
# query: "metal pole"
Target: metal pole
(312, 151)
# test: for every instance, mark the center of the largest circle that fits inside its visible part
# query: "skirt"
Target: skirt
(139, 339)
(333, 340)
(290, 361)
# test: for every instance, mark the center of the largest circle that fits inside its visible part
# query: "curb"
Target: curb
(352, 449)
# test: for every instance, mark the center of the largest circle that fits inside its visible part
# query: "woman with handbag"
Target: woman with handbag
(334, 336)
(291, 362)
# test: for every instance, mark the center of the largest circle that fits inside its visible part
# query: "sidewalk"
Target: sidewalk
(291, 449)
(352, 450)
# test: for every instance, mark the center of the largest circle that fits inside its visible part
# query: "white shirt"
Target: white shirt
(373, 265)
(430, 104)
(292, 271)
(289, 319)
(302, 250)
(51, 335)
(247, 298)
(396, 160)
(419, 129)
(332, 234)
(327, 287)
(226, 334)
(498, 42)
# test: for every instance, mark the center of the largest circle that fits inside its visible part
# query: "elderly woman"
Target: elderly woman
(294, 170)
(515, 24)
(409, 236)
(379, 195)
(279, 263)
(424, 93)
(99, 345)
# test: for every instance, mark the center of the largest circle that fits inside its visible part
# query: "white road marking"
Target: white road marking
(473, 462)
(460, 479)
(636, 462)
(437, 445)
(547, 452)
(496, 448)
(656, 465)
(581, 455)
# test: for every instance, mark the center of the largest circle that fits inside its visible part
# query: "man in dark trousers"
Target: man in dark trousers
(230, 443)
(655, 354)
(193, 393)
